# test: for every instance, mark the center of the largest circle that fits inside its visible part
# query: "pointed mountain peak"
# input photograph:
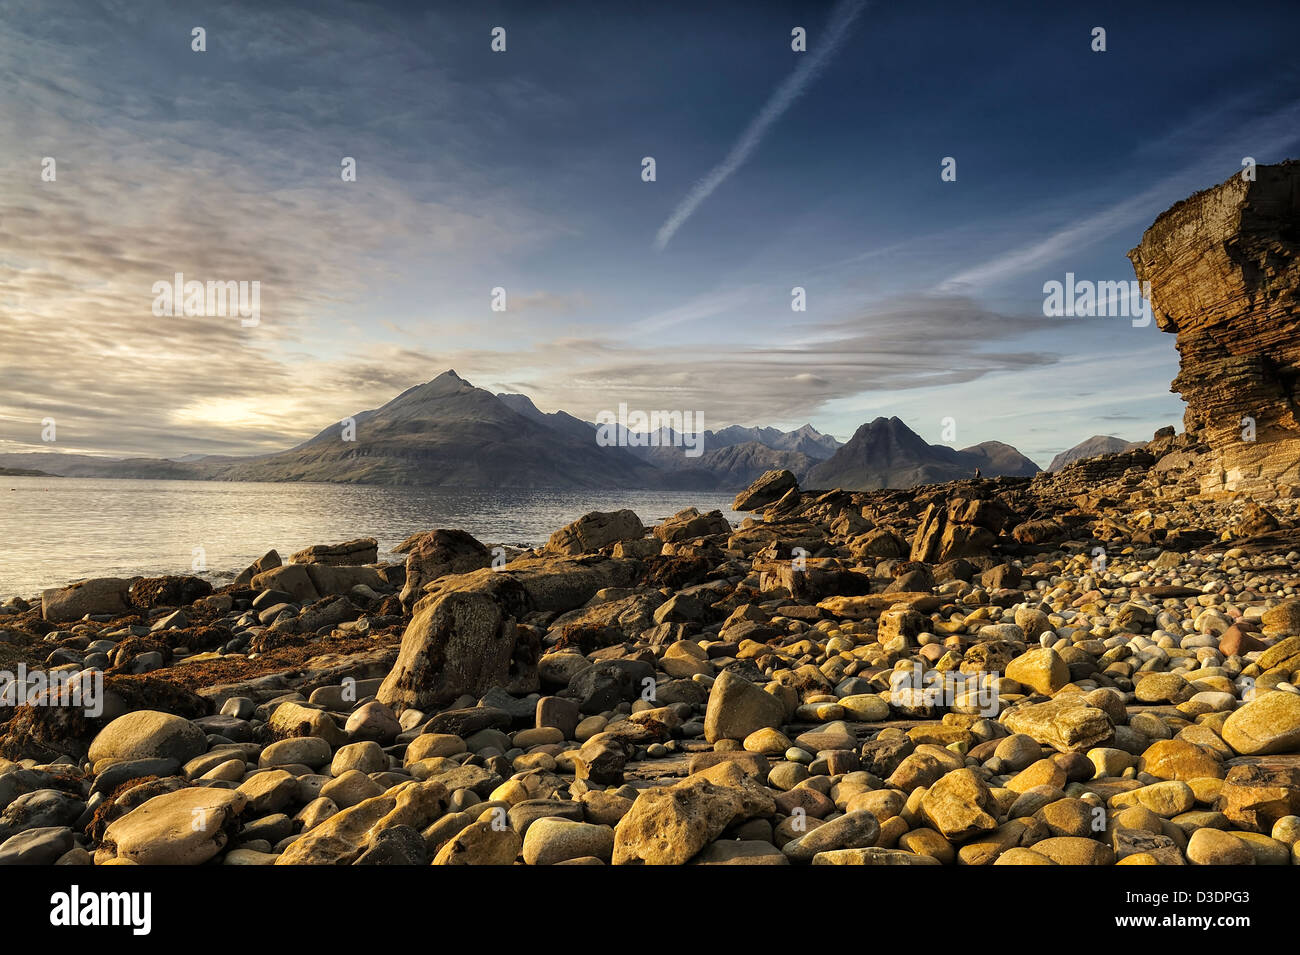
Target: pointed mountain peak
(447, 382)
(882, 425)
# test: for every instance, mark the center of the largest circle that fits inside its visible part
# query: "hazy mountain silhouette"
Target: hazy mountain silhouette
(1097, 444)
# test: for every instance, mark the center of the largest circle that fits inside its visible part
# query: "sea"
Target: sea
(54, 531)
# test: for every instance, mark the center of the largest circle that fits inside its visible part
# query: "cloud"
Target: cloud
(890, 348)
(781, 99)
(277, 401)
(213, 177)
(696, 310)
(560, 303)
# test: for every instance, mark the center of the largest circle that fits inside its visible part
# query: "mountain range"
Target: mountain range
(447, 432)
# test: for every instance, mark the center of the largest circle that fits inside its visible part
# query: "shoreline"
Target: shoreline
(155, 527)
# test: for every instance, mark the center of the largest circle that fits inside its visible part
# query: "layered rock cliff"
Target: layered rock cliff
(1224, 277)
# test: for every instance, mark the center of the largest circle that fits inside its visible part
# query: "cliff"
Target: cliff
(1224, 275)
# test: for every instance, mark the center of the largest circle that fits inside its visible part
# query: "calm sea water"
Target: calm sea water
(54, 531)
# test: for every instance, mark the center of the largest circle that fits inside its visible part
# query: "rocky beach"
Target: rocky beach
(1092, 666)
(1107, 681)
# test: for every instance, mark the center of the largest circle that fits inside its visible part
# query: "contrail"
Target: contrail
(790, 89)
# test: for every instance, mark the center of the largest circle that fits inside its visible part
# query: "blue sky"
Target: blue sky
(522, 170)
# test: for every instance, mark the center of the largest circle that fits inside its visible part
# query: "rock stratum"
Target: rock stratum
(1224, 277)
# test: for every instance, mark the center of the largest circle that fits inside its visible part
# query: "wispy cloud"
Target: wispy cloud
(696, 310)
(790, 90)
(1262, 138)
(202, 182)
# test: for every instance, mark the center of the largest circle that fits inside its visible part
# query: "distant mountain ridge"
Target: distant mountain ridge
(447, 432)
(887, 453)
(1096, 445)
(732, 457)
(805, 440)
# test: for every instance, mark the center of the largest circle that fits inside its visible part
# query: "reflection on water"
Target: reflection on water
(57, 530)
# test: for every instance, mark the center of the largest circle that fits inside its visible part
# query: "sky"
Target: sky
(523, 170)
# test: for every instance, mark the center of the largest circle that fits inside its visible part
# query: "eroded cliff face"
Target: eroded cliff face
(1225, 278)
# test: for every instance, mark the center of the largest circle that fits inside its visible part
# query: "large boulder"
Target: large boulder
(768, 489)
(960, 805)
(879, 544)
(1256, 797)
(292, 720)
(465, 637)
(149, 734)
(292, 579)
(1068, 725)
(185, 827)
(435, 554)
(42, 845)
(1041, 669)
(330, 579)
(99, 595)
(595, 530)
(1270, 723)
(550, 840)
(606, 683)
(343, 837)
(962, 528)
(1179, 759)
(465, 641)
(689, 524)
(481, 843)
(853, 830)
(268, 561)
(669, 825)
(738, 708)
(1283, 655)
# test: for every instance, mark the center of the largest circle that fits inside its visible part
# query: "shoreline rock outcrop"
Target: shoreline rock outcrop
(1224, 268)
